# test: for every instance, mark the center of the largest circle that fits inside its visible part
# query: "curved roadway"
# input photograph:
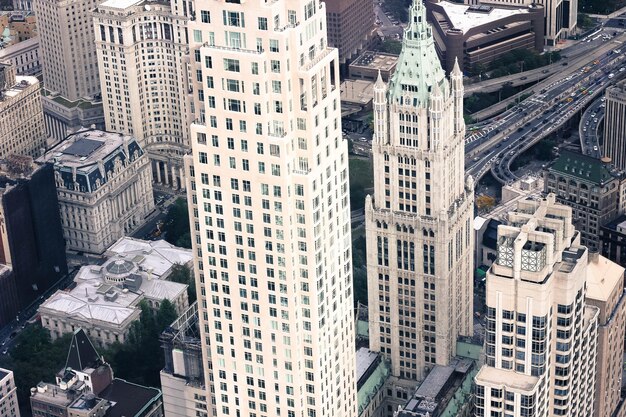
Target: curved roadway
(534, 118)
(589, 126)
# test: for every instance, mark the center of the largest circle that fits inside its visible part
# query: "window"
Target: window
(232, 85)
(234, 105)
(197, 36)
(208, 62)
(276, 87)
(231, 65)
(262, 23)
(274, 45)
(205, 16)
(233, 19)
(275, 65)
(255, 68)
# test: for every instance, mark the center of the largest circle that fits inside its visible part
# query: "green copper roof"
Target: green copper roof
(582, 167)
(376, 380)
(418, 68)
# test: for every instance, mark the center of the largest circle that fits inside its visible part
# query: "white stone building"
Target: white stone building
(8, 395)
(270, 211)
(24, 56)
(141, 47)
(105, 300)
(70, 66)
(419, 222)
(22, 129)
(104, 187)
(541, 336)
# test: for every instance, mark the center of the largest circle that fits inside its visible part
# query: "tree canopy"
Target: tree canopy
(176, 226)
(184, 275)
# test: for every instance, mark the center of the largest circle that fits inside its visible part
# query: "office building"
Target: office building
(22, 129)
(605, 290)
(104, 187)
(32, 249)
(367, 66)
(559, 16)
(24, 56)
(613, 239)
(105, 298)
(140, 46)
(270, 211)
(72, 96)
(8, 395)
(419, 230)
(590, 187)
(541, 334)
(477, 35)
(85, 387)
(614, 145)
(350, 26)
(182, 377)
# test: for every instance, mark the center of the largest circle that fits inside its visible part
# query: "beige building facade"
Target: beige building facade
(541, 336)
(419, 222)
(141, 49)
(22, 129)
(8, 395)
(270, 212)
(605, 290)
(104, 187)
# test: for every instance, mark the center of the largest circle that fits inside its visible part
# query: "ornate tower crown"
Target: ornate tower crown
(418, 66)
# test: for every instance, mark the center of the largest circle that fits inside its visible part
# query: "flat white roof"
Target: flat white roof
(512, 380)
(120, 4)
(602, 276)
(464, 20)
(84, 303)
(154, 256)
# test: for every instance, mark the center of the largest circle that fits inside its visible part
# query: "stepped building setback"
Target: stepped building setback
(420, 237)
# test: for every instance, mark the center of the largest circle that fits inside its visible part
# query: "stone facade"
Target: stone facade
(104, 187)
(420, 237)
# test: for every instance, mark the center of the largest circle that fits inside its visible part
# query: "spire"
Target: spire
(456, 71)
(418, 68)
(379, 81)
(82, 353)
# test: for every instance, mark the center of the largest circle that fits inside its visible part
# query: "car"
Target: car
(564, 64)
(622, 69)
(584, 129)
(545, 71)
(498, 145)
(593, 115)
(512, 153)
(524, 78)
(520, 129)
(5, 351)
(505, 139)
(595, 120)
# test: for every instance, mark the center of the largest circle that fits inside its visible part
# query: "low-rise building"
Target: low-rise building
(590, 187)
(372, 373)
(85, 387)
(22, 129)
(369, 64)
(8, 395)
(104, 186)
(106, 298)
(477, 35)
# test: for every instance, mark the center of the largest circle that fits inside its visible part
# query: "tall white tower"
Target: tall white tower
(419, 222)
(268, 194)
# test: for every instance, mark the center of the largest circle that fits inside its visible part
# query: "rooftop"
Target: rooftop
(124, 4)
(87, 159)
(129, 399)
(51, 394)
(157, 256)
(583, 167)
(365, 358)
(602, 276)
(4, 373)
(502, 377)
(435, 381)
(376, 60)
(464, 17)
(374, 382)
(82, 354)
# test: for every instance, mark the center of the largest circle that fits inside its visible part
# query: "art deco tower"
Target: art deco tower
(268, 194)
(419, 222)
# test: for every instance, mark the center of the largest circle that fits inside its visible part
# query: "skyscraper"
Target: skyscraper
(140, 46)
(268, 197)
(419, 222)
(541, 337)
(70, 66)
(615, 125)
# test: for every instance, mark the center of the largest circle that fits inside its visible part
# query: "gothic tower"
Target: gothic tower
(419, 221)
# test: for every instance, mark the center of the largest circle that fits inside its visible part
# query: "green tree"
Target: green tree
(184, 275)
(391, 46)
(166, 315)
(35, 358)
(176, 225)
